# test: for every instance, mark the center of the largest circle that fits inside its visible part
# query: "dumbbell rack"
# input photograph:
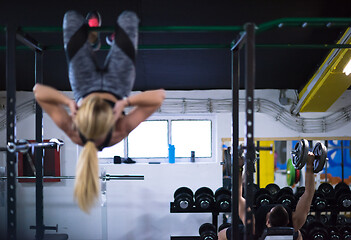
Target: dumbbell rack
(215, 214)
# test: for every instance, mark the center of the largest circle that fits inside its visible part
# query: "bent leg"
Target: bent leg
(120, 62)
(81, 66)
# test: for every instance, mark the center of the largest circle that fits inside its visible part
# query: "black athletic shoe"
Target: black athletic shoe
(94, 20)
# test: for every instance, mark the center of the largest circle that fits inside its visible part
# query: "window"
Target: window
(151, 139)
(192, 135)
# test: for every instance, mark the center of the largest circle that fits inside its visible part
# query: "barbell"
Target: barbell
(24, 145)
(104, 177)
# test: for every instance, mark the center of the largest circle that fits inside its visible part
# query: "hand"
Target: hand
(310, 159)
(118, 108)
(73, 108)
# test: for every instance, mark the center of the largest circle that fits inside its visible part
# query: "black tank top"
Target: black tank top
(260, 218)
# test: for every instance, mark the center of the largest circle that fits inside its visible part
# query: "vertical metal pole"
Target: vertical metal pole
(326, 165)
(235, 138)
(342, 161)
(104, 222)
(39, 153)
(11, 129)
(258, 164)
(249, 137)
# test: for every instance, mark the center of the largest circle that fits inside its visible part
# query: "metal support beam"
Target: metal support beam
(11, 129)
(249, 136)
(28, 41)
(39, 197)
(235, 141)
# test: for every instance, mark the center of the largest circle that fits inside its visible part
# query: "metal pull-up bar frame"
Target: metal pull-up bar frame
(247, 38)
(278, 23)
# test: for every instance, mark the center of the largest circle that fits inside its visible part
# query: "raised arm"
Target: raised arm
(304, 204)
(53, 102)
(145, 104)
(242, 201)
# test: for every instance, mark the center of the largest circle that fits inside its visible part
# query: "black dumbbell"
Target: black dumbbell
(324, 219)
(340, 219)
(204, 198)
(345, 232)
(263, 197)
(343, 196)
(319, 201)
(286, 197)
(317, 230)
(299, 192)
(273, 189)
(300, 155)
(183, 199)
(223, 199)
(327, 189)
(310, 218)
(334, 233)
(223, 226)
(207, 231)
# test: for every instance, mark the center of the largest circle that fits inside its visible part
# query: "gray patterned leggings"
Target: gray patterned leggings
(118, 74)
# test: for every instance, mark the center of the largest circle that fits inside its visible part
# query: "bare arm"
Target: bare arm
(304, 204)
(145, 104)
(242, 201)
(53, 102)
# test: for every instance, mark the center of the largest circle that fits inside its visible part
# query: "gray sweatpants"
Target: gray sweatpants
(118, 74)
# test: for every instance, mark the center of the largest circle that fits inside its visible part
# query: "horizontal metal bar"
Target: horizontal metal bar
(160, 46)
(142, 47)
(146, 29)
(55, 228)
(260, 148)
(106, 178)
(304, 22)
(205, 46)
(24, 145)
(310, 46)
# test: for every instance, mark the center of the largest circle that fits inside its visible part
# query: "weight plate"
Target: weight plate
(273, 189)
(300, 153)
(207, 227)
(299, 192)
(221, 191)
(340, 187)
(182, 190)
(320, 153)
(327, 189)
(203, 190)
(297, 175)
(290, 173)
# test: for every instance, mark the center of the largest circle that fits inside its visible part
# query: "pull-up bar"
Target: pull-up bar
(281, 22)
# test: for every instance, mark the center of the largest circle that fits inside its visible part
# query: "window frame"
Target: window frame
(169, 118)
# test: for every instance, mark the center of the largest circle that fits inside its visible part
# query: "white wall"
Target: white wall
(135, 209)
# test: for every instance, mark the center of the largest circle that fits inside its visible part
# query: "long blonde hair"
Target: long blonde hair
(94, 119)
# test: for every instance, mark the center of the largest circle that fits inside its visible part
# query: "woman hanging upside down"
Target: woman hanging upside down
(96, 118)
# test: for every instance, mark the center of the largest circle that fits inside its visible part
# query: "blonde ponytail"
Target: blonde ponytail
(94, 120)
(86, 188)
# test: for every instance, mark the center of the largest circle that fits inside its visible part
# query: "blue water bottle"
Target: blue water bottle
(171, 153)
